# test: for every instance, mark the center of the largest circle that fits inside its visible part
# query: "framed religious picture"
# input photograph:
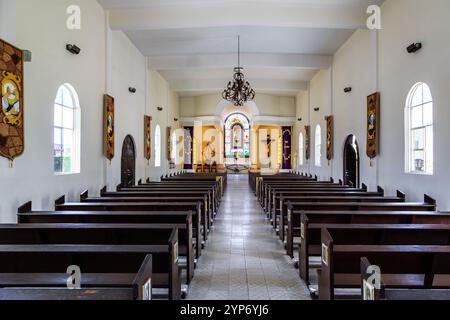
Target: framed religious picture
(307, 142)
(108, 127)
(169, 143)
(147, 137)
(325, 254)
(373, 124)
(12, 101)
(330, 129)
(368, 291)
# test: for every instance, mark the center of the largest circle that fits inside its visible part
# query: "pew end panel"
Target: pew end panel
(25, 208)
(142, 284)
(380, 190)
(304, 250)
(103, 191)
(368, 290)
(364, 187)
(401, 195)
(429, 200)
(139, 182)
(326, 278)
(84, 195)
(60, 200)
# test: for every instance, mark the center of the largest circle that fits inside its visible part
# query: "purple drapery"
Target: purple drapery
(287, 147)
(188, 147)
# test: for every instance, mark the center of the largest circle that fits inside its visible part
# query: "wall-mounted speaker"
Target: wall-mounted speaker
(73, 49)
(414, 47)
(316, 109)
(132, 90)
(348, 89)
(175, 119)
(27, 55)
(299, 119)
(159, 108)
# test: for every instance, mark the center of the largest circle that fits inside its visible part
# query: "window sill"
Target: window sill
(66, 174)
(418, 173)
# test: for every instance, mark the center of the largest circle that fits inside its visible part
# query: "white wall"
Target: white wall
(369, 62)
(42, 29)
(207, 105)
(108, 63)
(127, 69)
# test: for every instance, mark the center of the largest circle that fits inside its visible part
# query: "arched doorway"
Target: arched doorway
(128, 168)
(237, 142)
(351, 161)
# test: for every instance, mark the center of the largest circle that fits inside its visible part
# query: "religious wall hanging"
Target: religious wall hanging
(12, 103)
(169, 143)
(373, 125)
(147, 137)
(330, 129)
(307, 142)
(108, 127)
(287, 147)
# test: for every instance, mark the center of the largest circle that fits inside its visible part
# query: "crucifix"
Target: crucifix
(268, 143)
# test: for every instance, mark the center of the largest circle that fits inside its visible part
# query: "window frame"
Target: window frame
(75, 130)
(157, 146)
(301, 150)
(318, 146)
(411, 130)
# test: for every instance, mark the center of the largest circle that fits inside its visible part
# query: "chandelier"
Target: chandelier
(238, 91)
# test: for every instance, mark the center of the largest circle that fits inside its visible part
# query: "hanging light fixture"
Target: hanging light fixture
(238, 91)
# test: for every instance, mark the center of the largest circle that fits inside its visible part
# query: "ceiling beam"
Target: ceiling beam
(218, 85)
(250, 60)
(237, 14)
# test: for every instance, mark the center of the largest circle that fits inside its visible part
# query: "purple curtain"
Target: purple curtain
(287, 147)
(188, 147)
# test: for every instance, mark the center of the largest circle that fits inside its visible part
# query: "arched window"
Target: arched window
(318, 147)
(158, 146)
(173, 150)
(301, 149)
(419, 130)
(66, 131)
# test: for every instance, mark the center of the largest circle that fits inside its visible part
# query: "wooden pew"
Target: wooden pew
(276, 191)
(276, 203)
(172, 186)
(113, 234)
(165, 193)
(370, 292)
(205, 214)
(372, 228)
(336, 199)
(45, 266)
(267, 186)
(26, 215)
(422, 266)
(295, 210)
(281, 196)
(194, 207)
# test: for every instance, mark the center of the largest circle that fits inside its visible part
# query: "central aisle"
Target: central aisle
(243, 258)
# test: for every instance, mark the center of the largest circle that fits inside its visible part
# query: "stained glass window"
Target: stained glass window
(237, 137)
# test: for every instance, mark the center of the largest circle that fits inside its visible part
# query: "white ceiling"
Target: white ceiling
(193, 43)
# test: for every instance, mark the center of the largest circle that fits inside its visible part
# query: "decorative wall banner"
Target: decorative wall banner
(12, 102)
(287, 147)
(373, 124)
(330, 137)
(147, 137)
(169, 142)
(108, 127)
(307, 142)
(188, 148)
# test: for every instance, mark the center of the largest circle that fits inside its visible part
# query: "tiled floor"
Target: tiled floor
(243, 259)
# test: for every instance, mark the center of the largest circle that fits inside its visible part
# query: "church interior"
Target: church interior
(224, 150)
